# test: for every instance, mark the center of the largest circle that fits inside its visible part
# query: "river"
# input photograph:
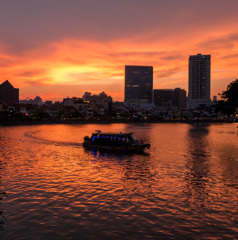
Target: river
(184, 187)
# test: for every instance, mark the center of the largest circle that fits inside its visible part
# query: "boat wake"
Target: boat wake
(32, 135)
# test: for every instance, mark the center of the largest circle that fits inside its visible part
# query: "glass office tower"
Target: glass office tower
(138, 84)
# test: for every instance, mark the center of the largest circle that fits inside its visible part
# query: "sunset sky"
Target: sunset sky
(60, 48)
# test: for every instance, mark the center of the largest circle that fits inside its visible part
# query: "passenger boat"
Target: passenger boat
(114, 141)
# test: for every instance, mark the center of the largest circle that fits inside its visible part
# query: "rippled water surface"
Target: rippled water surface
(184, 187)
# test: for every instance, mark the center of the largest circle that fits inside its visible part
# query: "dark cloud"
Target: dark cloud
(166, 73)
(230, 56)
(142, 55)
(171, 57)
(75, 61)
(28, 24)
(221, 42)
(5, 62)
(37, 82)
(32, 73)
(23, 46)
(137, 53)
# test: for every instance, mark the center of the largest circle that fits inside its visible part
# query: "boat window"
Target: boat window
(131, 138)
(109, 139)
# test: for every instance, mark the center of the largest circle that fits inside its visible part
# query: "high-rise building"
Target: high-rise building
(138, 84)
(199, 80)
(8, 94)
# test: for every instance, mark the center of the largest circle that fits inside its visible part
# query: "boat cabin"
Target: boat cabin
(113, 138)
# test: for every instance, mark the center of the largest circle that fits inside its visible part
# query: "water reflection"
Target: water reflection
(135, 170)
(100, 155)
(226, 152)
(197, 164)
(185, 184)
(107, 154)
(2, 194)
(138, 179)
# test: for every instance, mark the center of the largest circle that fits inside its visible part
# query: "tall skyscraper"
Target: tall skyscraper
(199, 80)
(8, 94)
(138, 84)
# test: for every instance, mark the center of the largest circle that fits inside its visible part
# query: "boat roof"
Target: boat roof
(111, 133)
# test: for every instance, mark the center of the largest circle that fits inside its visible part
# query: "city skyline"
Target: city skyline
(60, 48)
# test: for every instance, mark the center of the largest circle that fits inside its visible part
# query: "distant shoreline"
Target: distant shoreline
(41, 122)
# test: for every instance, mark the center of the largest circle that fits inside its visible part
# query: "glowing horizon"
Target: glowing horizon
(53, 57)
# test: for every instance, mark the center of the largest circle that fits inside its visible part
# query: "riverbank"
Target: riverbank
(109, 121)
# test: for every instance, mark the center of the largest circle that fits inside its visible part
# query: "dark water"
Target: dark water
(186, 187)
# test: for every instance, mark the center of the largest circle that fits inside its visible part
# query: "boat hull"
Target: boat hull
(131, 148)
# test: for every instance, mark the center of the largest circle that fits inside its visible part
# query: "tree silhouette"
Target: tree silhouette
(231, 94)
(231, 99)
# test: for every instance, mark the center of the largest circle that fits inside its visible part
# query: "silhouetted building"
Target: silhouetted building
(36, 101)
(138, 84)
(170, 98)
(163, 97)
(78, 104)
(71, 101)
(8, 94)
(180, 99)
(86, 96)
(199, 80)
(48, 103)
(101, 99)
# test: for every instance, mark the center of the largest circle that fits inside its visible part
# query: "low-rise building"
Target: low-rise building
(8, 94)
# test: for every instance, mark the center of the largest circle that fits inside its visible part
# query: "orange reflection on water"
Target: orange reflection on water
(188, 175)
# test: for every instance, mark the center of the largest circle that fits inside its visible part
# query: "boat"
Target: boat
(114, 142)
